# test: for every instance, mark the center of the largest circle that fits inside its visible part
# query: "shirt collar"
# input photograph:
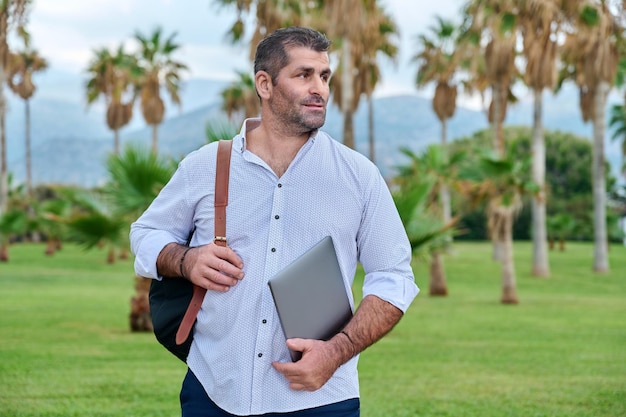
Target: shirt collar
(239, 141)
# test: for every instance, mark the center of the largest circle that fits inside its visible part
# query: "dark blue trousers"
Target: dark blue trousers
(195, 402)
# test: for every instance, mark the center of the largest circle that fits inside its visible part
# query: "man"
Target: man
(290, 186)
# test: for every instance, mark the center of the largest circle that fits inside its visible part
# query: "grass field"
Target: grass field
(65, 347)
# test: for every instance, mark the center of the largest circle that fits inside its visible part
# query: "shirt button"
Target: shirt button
(279, 185)
(273, 249)
(263, 321)
(277, 217)
(260, 355)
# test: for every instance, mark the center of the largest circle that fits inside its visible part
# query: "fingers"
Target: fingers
(312, 371)
(215, 268)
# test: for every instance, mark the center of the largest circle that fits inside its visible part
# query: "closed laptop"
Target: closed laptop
(310, 295)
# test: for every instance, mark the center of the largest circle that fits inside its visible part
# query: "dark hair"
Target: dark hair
(271, 53)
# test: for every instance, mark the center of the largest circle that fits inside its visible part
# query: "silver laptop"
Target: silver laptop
(310, 295)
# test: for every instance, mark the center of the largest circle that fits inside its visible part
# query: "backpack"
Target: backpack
(175, 302)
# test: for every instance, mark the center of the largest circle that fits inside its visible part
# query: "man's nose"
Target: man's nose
(318, 86)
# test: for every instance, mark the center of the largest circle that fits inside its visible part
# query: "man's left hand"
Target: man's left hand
(319, 362)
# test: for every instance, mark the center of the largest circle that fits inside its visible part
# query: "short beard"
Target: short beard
(299, 122)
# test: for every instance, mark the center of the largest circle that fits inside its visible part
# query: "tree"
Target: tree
(270, 15)
(501, 182)
(435, 169)
(539, 24)
(591, 56)
(21, 66)
(136, 179)
(157, 68)
(438, 64)
(345, 82)
(241, 95)
(568, 175)
(379, 40)
(494, 22)
(13, 15)
(412, 194)
(112, 76)
(14, 219)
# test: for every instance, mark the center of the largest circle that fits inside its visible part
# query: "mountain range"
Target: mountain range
(70, 142)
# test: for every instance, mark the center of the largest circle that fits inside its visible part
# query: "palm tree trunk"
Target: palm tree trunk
(600, 255)
(370, 127)
(4, 252)
(498, 146)
(509, 286)
(347, 94)
(438, 286)
(444, 191)
(155, 139)
(4, 176)
(348, 128)
(498, 134)
(541, 267)
(116, 141)
(140, 319)
(29, 167)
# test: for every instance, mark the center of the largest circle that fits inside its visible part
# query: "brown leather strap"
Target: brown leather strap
(222, 171)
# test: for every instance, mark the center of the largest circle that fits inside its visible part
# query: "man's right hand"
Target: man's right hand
(213, 267)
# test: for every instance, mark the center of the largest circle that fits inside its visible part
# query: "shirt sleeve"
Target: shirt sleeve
(168, 219)
(384, 249)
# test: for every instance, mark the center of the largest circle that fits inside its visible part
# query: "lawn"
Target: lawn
(65, 347)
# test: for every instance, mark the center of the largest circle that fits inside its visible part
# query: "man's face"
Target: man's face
(301, 92)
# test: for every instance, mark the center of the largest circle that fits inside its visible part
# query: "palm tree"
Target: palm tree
(21, 66)
(13, 15)
(434, 167)
(112, 75)
(50, 214)
(539, 25)
(345, 82)
(591, 54)
(14, 219)
(379, 38)
(438, 63)
(560, 226)
(502, 182)
(136, 179)
(495, 23)
(427, 234)
(241, 95)
(157, 68)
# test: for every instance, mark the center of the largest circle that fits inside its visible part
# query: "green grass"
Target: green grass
(65, 347)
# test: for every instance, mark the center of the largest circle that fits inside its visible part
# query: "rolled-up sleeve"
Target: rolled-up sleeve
(385, 251)
(168, 219)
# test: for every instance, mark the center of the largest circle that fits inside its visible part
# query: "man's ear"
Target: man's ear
(263, 84)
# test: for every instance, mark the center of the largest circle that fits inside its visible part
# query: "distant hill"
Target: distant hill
(71, 142)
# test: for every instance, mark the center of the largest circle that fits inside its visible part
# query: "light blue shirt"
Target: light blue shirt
(328, 189)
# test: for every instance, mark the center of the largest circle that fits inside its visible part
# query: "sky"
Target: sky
(66, 32)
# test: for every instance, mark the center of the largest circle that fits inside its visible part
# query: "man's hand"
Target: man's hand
(373, 319)
(211, 266)
(319, 362)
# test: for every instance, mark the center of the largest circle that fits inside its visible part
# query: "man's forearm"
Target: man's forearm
(170, 260)
(373, 319)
